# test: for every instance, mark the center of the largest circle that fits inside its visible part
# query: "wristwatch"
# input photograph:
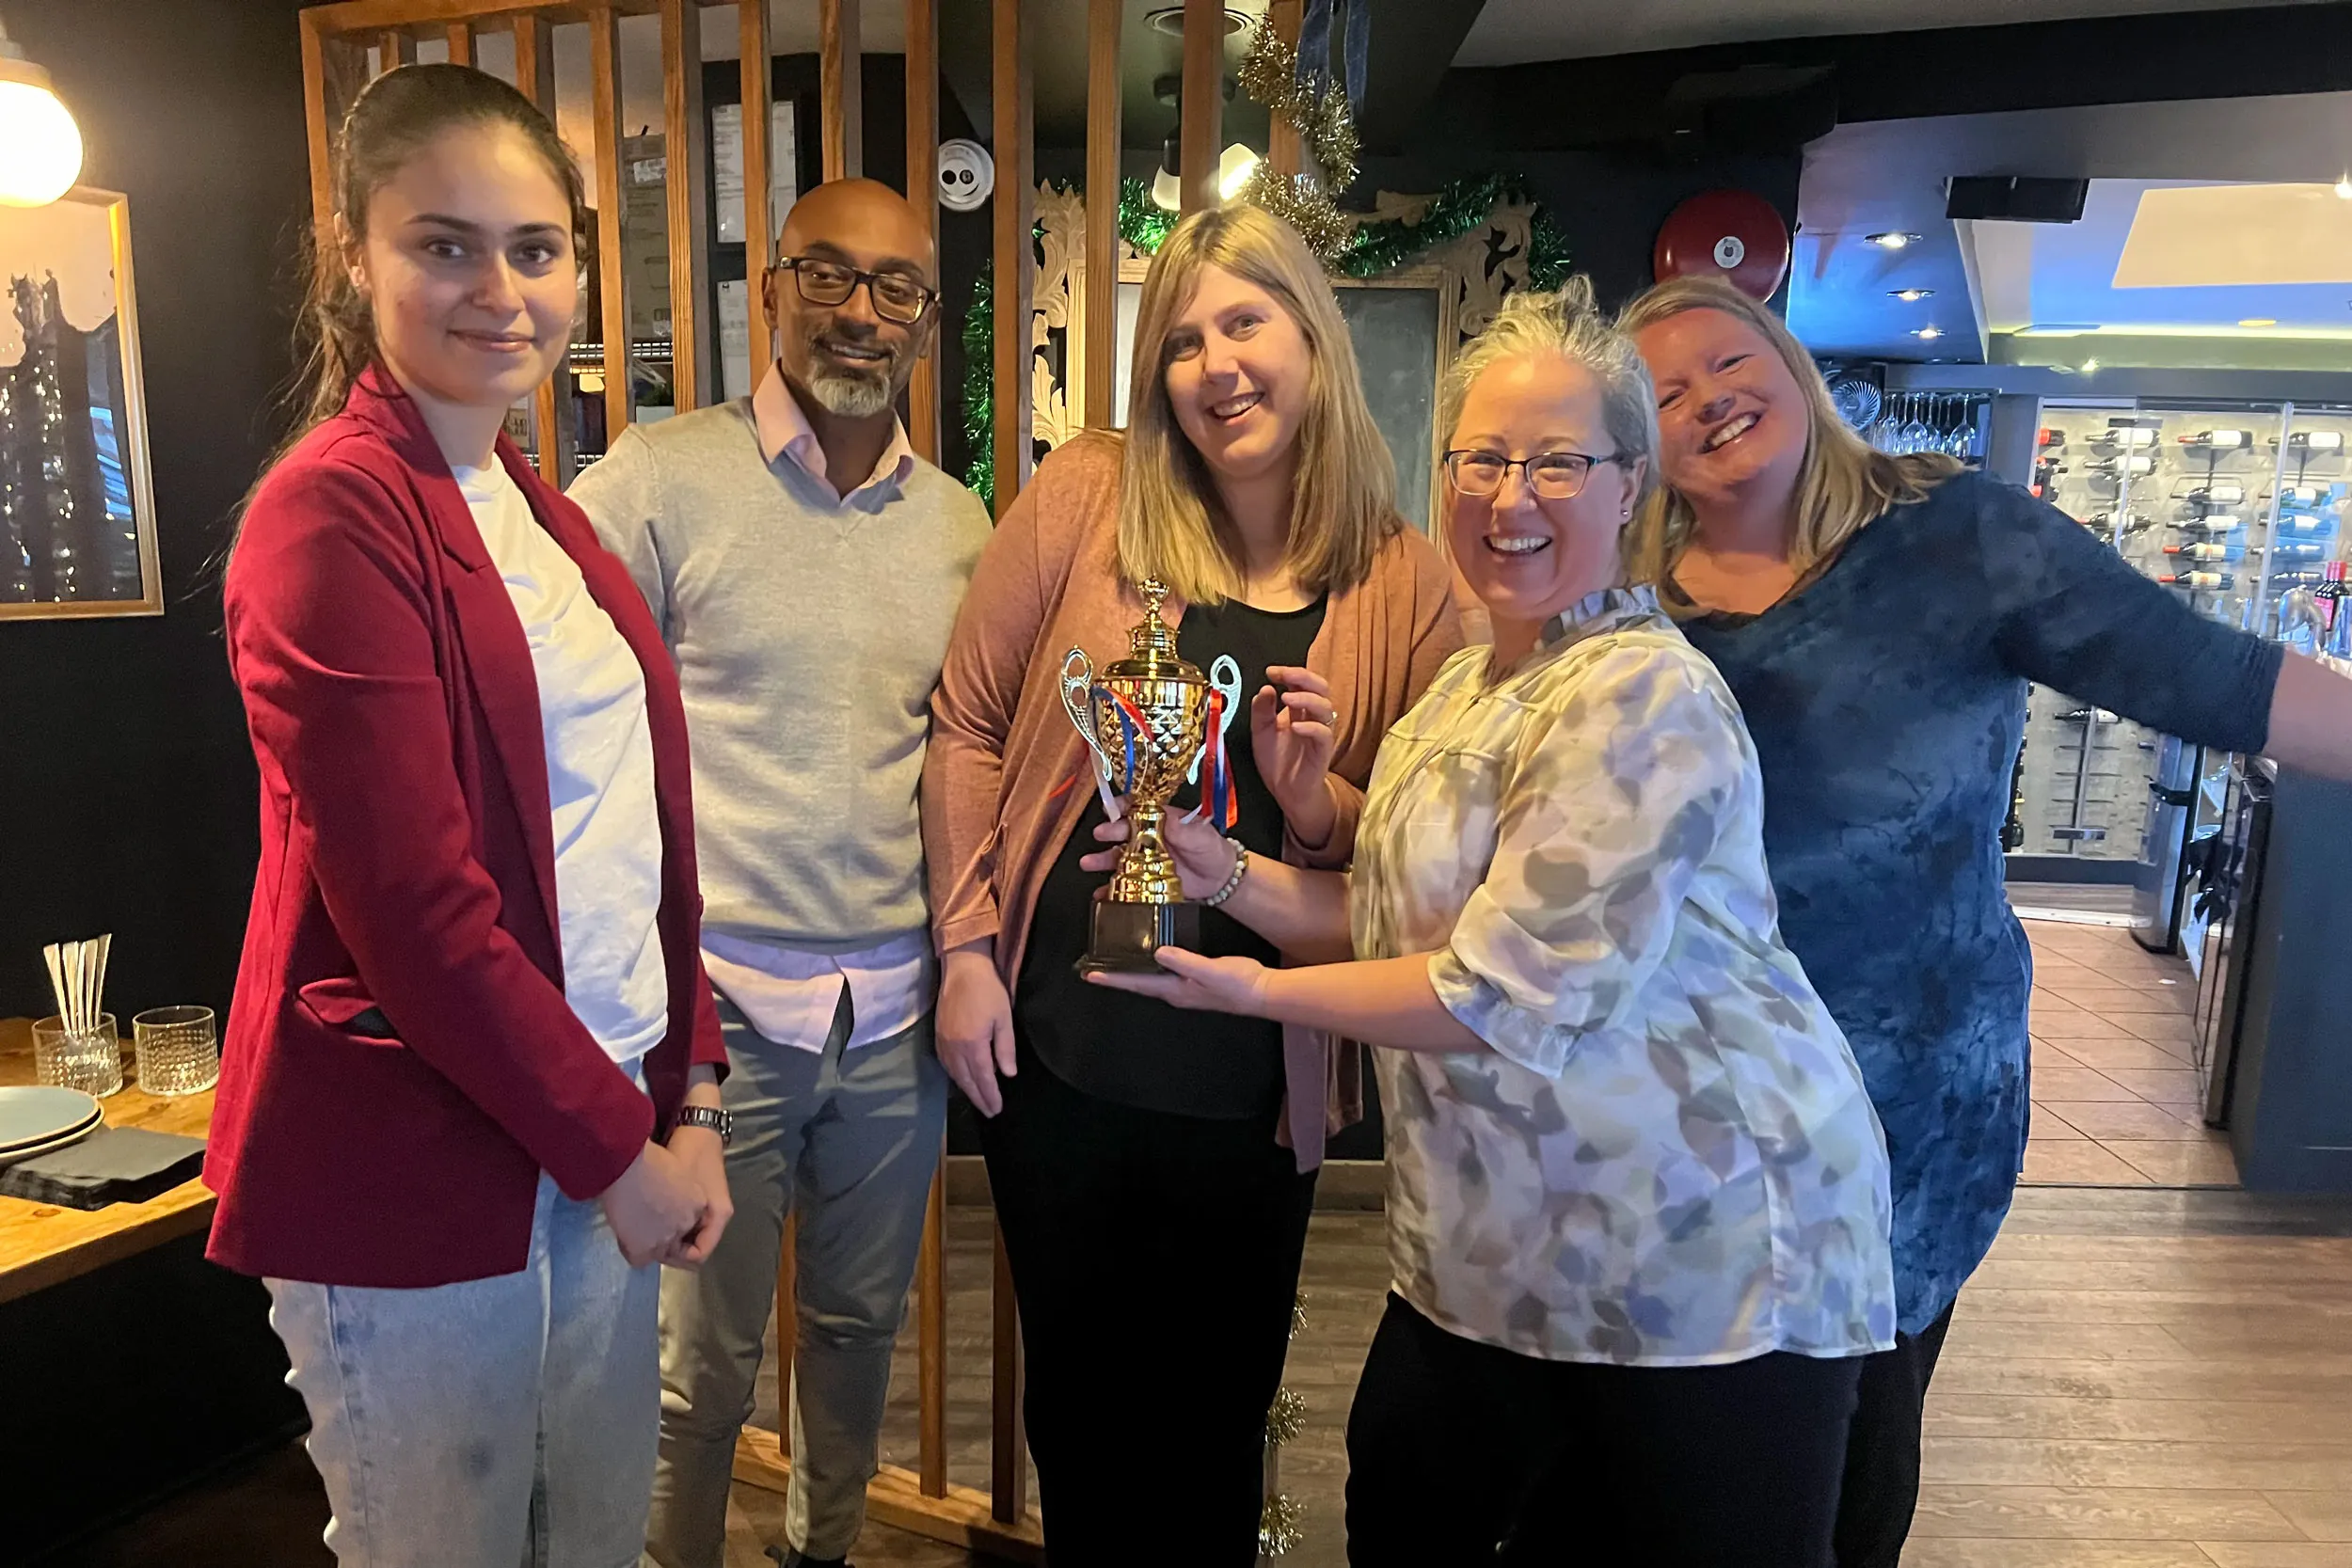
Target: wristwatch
(720, 1122)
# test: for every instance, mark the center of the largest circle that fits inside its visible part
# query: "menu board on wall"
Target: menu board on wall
(726, 163)
(735, 339)
(645, 236)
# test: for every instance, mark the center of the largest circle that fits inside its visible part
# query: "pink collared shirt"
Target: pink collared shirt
(785, 432)
(789, 995)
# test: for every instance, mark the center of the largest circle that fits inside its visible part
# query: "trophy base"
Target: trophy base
(1125, 936)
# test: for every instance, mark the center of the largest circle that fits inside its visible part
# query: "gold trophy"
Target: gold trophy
(1145, 719)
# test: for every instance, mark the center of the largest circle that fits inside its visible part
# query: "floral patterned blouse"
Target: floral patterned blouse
(1668, 1157)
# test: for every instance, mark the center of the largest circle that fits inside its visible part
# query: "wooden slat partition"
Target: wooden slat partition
(1285, 153)
(1203, 103)
(460, 43)
(683, 139)
(788, 1328)
(604, 66)
(1014, 207)
(841, 94)
(534, 78)
(930, 1340)
(759, 232)
(923, 388)
(1106, 128)
(393, 48)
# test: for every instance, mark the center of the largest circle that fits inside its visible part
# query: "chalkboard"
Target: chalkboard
(1395, 333)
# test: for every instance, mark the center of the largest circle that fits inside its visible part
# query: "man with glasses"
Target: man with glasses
(805, 567)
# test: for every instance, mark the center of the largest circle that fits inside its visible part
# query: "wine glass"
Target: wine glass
(1918, 435)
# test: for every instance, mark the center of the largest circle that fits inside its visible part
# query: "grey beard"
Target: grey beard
(851, 397)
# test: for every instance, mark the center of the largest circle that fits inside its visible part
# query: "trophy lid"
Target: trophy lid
(1151, 646)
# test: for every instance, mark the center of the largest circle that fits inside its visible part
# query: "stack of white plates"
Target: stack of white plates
(37, 1121)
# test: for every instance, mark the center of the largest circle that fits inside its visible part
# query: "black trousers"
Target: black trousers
(1882, 1451)
(1462, 1454)
(1156, 1258)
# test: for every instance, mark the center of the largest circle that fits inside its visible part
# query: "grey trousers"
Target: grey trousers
(850, 1139)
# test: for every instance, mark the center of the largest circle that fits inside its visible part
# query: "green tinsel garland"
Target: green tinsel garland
(1373, 248)
(1458, 209)
(1382, 246)
(980, 394)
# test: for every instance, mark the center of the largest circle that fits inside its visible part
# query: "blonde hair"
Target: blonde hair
(1844, 482)
(1569, 325)
(1171, 525)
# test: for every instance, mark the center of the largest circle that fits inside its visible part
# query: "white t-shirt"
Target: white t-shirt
(592, 712)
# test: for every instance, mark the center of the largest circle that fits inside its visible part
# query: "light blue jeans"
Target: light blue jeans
(508, 1422)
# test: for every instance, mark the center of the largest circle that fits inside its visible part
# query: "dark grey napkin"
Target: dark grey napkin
(114, 1165)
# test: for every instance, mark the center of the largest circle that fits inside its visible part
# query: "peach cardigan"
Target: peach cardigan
(1001, 745)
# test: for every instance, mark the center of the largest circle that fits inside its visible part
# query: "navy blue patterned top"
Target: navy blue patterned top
(1887, 700)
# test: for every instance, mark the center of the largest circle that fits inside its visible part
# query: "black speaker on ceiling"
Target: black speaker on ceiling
(2016, 198)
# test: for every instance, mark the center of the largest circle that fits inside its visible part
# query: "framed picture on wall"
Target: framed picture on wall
(77, 508)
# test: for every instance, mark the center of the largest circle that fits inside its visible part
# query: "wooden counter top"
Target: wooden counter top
(42, 1244)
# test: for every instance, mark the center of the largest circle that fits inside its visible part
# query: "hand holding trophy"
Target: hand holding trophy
(1146, 719)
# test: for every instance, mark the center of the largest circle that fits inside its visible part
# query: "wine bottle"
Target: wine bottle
(2299, 549)
(2302, 495)
(2217, 440)
(2309, 524)
(2208, 552)
(2333, 600)
(2137, 463)
(2316, 440)
(2206, 581)
(2216, 494)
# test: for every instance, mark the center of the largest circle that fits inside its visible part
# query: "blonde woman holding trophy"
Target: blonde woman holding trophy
(1153, 1169)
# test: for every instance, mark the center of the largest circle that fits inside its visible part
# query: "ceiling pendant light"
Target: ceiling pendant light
(40, 147)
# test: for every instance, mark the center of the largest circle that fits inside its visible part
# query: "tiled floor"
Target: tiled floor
(2115, 1102)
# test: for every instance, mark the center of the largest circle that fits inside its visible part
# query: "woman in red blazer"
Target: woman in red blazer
(471, 1002)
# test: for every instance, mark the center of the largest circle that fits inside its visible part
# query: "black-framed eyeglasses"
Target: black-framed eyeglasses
(897, 297)
(1554, 476)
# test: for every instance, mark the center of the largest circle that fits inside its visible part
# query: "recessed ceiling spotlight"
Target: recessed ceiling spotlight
(1911, 296)
(1893, 239)
(2260, 321)
(1170, 20)
(1928, 333)
(2343, 187)
(2090, 367)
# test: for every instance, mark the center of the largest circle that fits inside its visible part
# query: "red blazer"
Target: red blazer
(400, 1063)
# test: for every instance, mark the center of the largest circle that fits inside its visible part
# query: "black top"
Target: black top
(1131, 1049)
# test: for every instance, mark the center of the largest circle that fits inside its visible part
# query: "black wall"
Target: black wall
(126, 787)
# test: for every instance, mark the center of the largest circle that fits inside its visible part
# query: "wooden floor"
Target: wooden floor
(2138, 1377)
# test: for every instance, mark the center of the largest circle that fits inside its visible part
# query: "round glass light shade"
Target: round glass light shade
(40, 147)
(1234, 170)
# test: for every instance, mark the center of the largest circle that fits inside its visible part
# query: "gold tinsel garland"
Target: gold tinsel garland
(1279, 1524)
(1325, 126)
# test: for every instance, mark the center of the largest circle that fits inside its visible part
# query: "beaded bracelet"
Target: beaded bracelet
(1241, 868)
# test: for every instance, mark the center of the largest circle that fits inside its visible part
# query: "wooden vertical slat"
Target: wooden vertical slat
(461, 43)
(534, 78)
(930, 1340)
(1284, 152)
(1203, 104)
(923, 386)
(394, 48)
(604, 65)
(759, 235)
(1014, 206)
(841, 98)
(1007, 1459)
(319, 131)
(682, 143)
(1106, 128)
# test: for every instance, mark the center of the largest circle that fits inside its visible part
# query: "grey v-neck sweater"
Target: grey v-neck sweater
(808, 633)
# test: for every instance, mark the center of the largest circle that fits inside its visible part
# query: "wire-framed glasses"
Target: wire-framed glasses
(1554, 476)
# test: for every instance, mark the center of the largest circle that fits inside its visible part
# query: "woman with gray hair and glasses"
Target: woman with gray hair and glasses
(1637, 1197)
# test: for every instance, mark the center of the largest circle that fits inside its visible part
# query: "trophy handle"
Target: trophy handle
(1077, 700)
(1225, 674)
